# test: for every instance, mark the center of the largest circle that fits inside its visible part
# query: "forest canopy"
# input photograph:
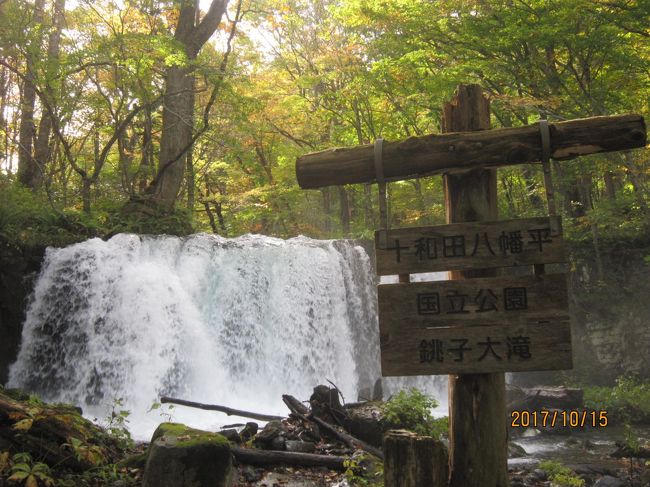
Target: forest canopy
(148, 115)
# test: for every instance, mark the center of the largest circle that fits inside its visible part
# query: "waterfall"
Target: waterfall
(236, 322)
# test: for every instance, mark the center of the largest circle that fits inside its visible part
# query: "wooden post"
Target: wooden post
(477, 406)
(413, 461)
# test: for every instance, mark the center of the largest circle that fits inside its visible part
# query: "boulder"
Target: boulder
(516, 451)
(180, 456)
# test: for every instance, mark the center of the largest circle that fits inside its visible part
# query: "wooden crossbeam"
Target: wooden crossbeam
(432, 154)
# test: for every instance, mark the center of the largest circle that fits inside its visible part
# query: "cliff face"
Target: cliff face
(18, 269)
(612, 315)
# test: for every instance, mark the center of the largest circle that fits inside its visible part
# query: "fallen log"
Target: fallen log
(346, 438)
(222, 409)
(546, 397)
(252, 456)
(626, 451)
(433, 154)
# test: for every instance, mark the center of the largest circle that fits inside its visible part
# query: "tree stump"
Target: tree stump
(411, 460)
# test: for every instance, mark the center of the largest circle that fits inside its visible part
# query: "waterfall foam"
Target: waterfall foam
(228, 321)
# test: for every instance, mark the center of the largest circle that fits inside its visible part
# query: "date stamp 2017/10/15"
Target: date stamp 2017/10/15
(555, 418)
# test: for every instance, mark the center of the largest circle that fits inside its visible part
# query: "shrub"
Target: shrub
(412, 410)
(561, 476)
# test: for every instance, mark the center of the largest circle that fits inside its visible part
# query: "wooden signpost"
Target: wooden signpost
(476, 325)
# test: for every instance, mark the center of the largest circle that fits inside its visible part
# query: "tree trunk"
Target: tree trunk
(176, 135)
(42, 147)
(414, 461)
(28, 171)
(610, 185)
(345, 210)
(85, 194)
(178, 111)
(477, 402)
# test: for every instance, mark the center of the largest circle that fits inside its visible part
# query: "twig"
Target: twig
(222, 409)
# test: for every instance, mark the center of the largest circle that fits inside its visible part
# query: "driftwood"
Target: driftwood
(252, 456)
(346, 438)
(222, 409)
(431, 154)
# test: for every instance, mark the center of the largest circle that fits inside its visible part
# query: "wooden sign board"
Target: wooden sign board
(474, 245)
(498, 300)
(476, 349)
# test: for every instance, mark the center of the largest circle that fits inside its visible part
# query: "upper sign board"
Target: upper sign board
(473, 245)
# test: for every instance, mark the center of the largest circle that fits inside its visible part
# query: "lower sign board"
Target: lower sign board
(475, 349)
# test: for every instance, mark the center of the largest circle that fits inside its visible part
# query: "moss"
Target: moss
(134, 461)
(185, 437)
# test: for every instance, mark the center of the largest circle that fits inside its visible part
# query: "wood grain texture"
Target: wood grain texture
(507, 299)
(461, 150)
(477, 404)
(492, 243)
(411, 460)
(549, 347)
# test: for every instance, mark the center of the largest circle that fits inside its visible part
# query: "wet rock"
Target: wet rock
(231, 435)
(272, 430)
(378, 391)
(516, 451)
(365, 394)
(539, 474)
(608, 481)
(249, 431)
(185, 457)
(278, 443)
(251, 474)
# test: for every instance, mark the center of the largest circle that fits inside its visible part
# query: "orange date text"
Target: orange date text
(560, 419)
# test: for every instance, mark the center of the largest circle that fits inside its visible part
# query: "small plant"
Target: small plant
(5, 462)
(166, 415)
(412, 410)
(364, 472)
(28, 473)
(561, 476)
(84, 452)
(117, 424)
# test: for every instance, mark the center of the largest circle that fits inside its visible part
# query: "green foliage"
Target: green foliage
(25, 471)
(412, 410)
(364, 471)
(561, 476)
(116, 423)
(627, 401)
(27, 220)
(101, 476)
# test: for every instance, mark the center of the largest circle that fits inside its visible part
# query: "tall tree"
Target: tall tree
(178, 109)
(28, 171)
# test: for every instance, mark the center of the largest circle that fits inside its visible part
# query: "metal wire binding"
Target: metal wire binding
(381, 182)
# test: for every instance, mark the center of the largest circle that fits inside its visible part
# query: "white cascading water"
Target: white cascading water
(236, 322)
